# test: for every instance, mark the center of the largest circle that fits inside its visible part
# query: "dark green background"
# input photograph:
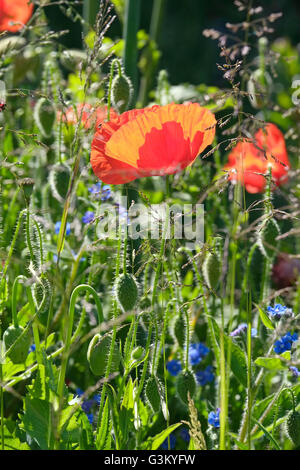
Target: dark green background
(186, 53)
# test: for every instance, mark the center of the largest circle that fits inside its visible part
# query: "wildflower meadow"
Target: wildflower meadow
(149, 228)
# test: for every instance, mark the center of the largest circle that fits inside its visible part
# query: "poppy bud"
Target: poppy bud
(126, 291)
(17, 342)
(72, 58)
(44, 116)
(185, 384)
(121, 92)
(27, 185)
(179, 330)
(98, 354)
(212, 265)
(138, 353)
(267, 234)
(293, 427)
(153, 391)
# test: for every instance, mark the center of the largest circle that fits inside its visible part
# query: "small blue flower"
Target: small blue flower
(104, 192)
(87, 405)
(214, 418)
(90, 418)
(79, 392)
(205, 376)
(88, 217)
(57, 228)
(285, 343)
(97, 398)
(295, 372)
(174, 367)
(242, 328)
(196, 353)
(184, 434)
(32, 348)
(279, 311)
(165, 445)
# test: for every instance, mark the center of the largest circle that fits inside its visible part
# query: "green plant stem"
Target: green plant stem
(155, 25)
(155, 285)
(70, 321)
(90, 10)
(2, 405)
(223, 399)
(131, 26)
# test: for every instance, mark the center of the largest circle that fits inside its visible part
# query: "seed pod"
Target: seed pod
(126, 291)
(98, 354)
(153, 393)
(72, 58)
(27, 185)
(185, 384)
(121, 92)
(267, 234)
(293, 427)
(179, 330)
(138, 353)
(212, 270)
(16, 338)
(45, 115)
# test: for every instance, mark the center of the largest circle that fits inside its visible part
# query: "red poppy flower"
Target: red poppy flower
(90, 116)
(18, 11)
(248, 162)
(160, 140)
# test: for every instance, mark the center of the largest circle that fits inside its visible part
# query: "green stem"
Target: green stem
(156, 20)
(131, 26)
(70, 321)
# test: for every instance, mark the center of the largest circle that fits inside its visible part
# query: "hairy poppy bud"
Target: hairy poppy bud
(179, 330)
(27, 186)
(72, 58)
(212, 265)
(121, 92)
(185, 384)
(44, 116)
(267, 234)
(98, 354)
(17, 342)
(153, 392)
(138, 353)
(293, 427)
(126, 291)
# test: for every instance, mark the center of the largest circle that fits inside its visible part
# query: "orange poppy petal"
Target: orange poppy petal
(18, 11)
(125, 144)
(248, 160)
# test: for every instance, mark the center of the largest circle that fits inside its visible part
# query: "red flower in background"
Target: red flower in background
(18, 11)
(160, 140)
(90, 116)
(248, 163)
(286, 271)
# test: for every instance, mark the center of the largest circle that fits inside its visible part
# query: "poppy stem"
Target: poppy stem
(131, 26)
